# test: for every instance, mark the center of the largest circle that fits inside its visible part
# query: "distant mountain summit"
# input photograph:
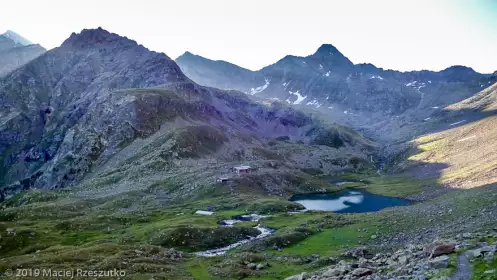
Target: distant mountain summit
(18, 39)
(331, 56)
(327, 49)
(15, 51)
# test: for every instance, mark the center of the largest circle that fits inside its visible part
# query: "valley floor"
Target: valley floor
(133, 231)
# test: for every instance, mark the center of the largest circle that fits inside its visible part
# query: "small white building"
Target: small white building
(202, 212)
(242, 169)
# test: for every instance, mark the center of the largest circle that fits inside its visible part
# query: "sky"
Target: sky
(392, 34)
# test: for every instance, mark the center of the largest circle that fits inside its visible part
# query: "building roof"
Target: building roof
(243, 167)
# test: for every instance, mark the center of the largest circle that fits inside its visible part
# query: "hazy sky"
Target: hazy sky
(395, 34)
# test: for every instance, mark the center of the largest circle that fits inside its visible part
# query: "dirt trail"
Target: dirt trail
(463, 268)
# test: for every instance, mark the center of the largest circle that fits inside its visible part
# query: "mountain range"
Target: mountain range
(360, 95)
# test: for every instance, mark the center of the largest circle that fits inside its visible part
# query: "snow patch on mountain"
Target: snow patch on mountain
(376, 77)
(259, 89)
(456, 123)
(300, 98)
(314, 103)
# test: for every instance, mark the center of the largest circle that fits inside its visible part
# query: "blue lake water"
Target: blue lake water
(348, 201)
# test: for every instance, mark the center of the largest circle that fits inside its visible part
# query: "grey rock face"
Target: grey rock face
(55, 109)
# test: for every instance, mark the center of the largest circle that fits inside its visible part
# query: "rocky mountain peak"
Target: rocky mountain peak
(187, 54)
(326, 49)
(92, 37)
(18, 39)
(328, 54)
(459, 69)
(460, 73)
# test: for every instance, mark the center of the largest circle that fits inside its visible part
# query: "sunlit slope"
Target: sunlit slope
(464, 155)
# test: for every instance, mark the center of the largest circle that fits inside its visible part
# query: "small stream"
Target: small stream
(228, 223)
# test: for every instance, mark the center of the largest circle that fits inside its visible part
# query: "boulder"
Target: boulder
(489, 257)
(357, 253)
(251, 266)
(476, 253)
(297, 277)
(363, 262)
(29, 232)
(361, 271)
(486, 249)
(440, 262)
(11, 231)
(334, 272)
(435, 250)
(403, 259)
(481, 244)
(261, 266)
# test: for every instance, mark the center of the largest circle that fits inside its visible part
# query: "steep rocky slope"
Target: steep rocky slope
(16, 51)
(369, 98)
(100, 101)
